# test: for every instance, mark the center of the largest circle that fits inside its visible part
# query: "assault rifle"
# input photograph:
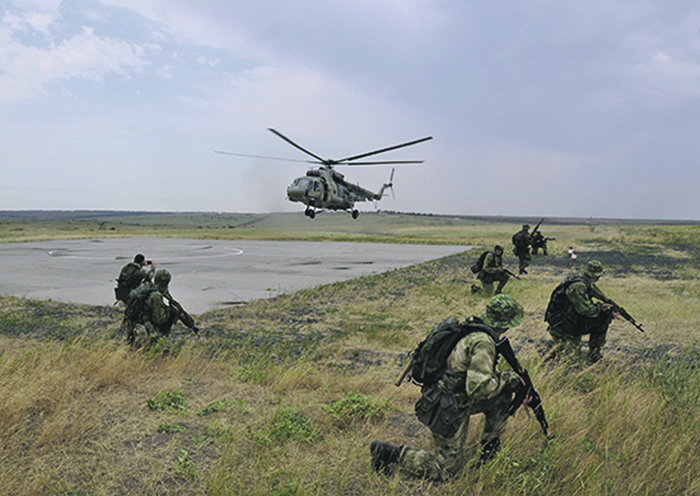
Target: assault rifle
(506, 350)
(184, 317)
(598, 293)
(511, 274)
(543, 239)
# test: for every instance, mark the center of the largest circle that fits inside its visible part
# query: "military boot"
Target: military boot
(475, 289)
(594, 355)
(489, 450)
(382, 455)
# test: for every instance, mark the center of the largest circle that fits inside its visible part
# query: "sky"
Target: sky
(536, 107)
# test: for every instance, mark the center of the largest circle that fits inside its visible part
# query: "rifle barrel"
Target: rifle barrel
(537, 226)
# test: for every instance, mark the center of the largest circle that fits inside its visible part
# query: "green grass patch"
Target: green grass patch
(167, 400)
(355, 407)
(170, 427)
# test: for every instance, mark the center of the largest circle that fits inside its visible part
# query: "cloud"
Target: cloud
(37, 5)
(665, 58)
(574, 108)
(27, 71)
(165, 72)
(38, 21)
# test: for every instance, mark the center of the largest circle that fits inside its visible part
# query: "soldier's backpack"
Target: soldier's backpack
(430, 357)
(438, 409)
(136, 303)
(559, 305)
(129, 279)
(478, 266)
(519, 239)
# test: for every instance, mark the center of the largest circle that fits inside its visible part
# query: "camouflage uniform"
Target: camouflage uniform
(521, 249)
(131, 276)
(572, 313)
(160, 316)
(538, 241)
(157, 317)
(492, 272)
(484, 390)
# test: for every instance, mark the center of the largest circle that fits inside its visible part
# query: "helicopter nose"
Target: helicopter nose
(296, 193)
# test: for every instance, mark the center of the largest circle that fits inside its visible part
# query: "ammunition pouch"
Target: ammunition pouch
(439, 411)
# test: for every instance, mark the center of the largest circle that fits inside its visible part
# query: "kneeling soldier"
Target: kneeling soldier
(146, 306)
(571, 313)
(471, 376)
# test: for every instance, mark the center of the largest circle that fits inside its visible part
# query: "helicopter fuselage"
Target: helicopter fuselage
(325, 188)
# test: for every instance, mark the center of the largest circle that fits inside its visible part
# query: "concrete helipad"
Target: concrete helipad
(207, 274)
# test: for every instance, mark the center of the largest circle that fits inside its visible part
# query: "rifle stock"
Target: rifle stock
(405, 372)
(506, 350)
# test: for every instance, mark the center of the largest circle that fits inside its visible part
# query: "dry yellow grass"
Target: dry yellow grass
(74, 417)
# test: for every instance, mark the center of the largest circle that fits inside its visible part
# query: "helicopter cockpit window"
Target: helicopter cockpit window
(300, 182)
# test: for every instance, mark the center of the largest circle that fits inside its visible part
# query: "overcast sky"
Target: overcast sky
(541, 108)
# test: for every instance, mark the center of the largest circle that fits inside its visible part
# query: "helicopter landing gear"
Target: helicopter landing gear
(310, 213)
(355, 214)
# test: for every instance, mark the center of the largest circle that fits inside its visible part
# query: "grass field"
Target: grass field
(283, 396)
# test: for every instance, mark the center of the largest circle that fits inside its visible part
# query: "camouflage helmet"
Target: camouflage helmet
(162, 279)
(498, 247)
(593, 269)
(502, 312)
(526, 226)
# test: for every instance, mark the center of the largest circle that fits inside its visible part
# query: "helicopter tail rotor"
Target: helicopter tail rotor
(391, 183)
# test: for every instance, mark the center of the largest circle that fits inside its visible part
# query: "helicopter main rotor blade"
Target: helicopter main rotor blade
(383, 162)
(297, 146)
(266, 158)
(349, 159)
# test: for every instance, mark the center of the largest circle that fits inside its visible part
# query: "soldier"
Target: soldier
(521, 248)
(492, 271)
(132, 275)
(478, 387)
(571, 313)
(146, 306)
(539, 241)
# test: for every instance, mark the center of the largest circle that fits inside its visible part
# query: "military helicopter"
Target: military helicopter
(324, 188)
